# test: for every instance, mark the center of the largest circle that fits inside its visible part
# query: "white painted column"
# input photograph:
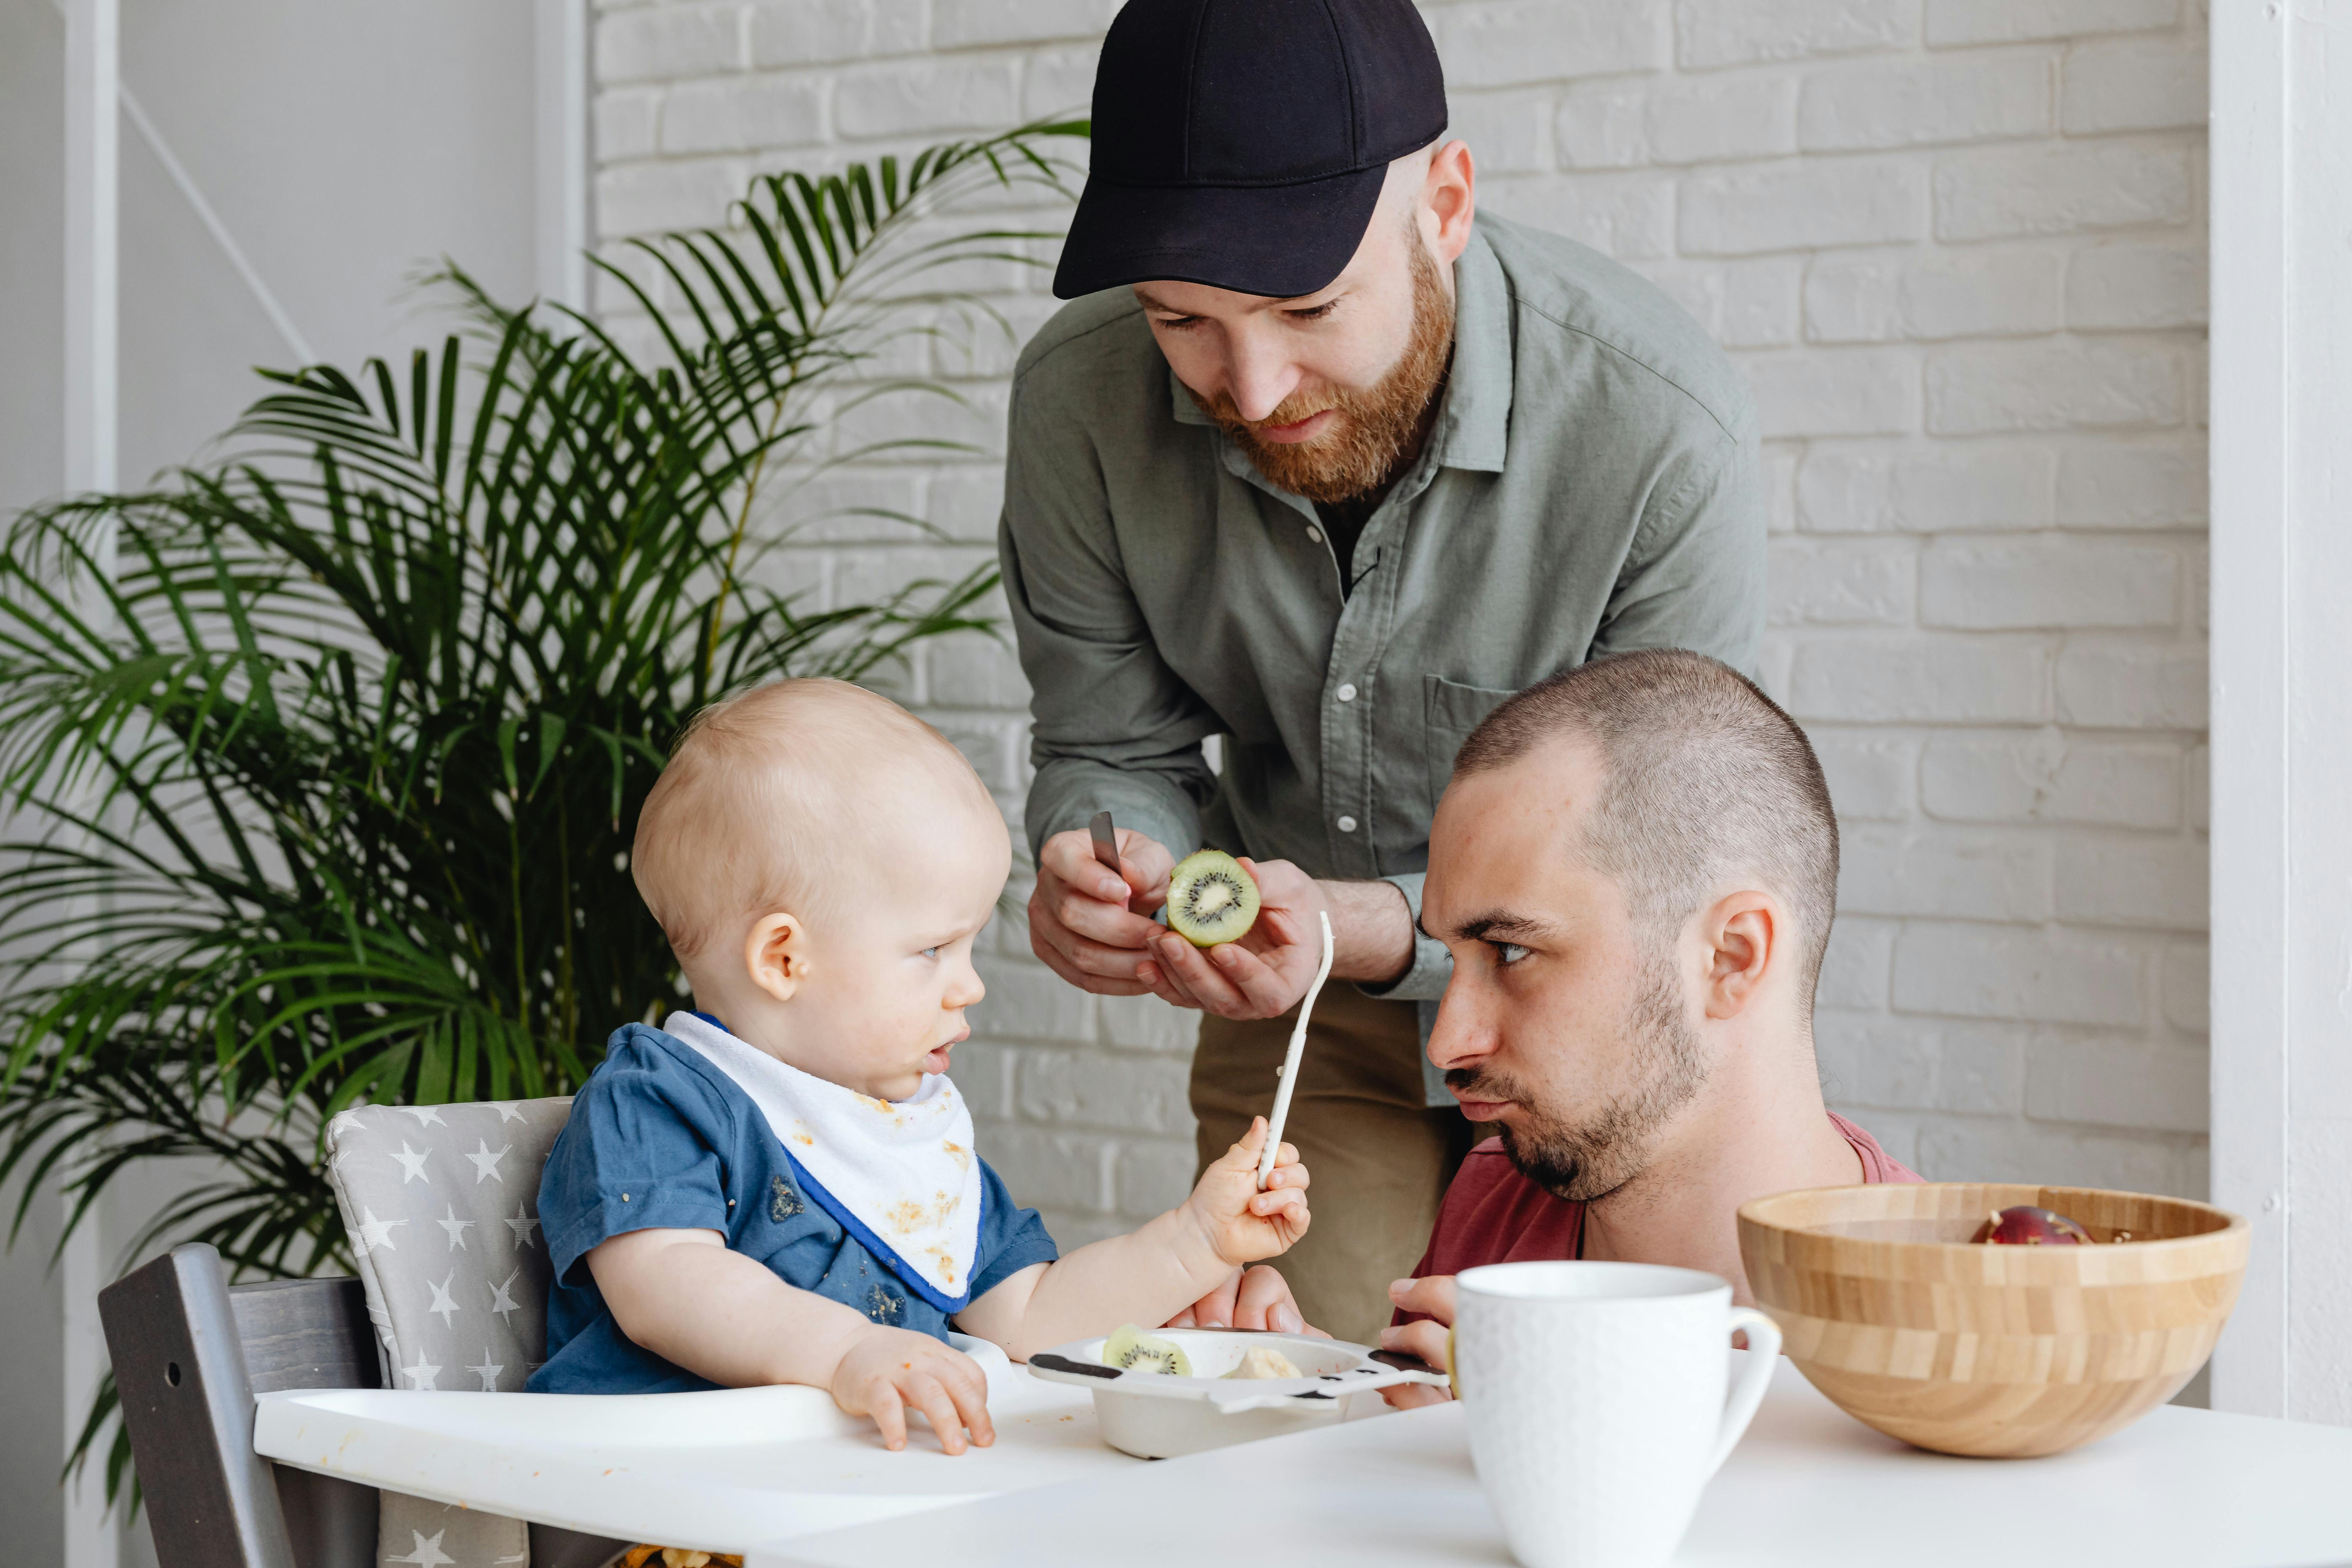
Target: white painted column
(92, 252)
(562, 162)
(93, 1539)
(2282, 842)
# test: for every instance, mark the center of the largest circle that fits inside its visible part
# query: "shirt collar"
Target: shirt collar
(1474, 423)
(1474, 420)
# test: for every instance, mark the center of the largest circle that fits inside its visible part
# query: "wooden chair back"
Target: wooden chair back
(189, 1353)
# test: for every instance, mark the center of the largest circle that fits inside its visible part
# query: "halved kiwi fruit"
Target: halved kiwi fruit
(1210, 899)
(1132, 1349)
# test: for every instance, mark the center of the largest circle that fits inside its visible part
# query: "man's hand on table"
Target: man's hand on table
(1091, 928)
(1433, 1296)
(1257, 1298)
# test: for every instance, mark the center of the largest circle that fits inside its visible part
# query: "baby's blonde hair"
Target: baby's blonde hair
(772, 795)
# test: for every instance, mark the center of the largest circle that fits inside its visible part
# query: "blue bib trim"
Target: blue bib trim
(908, 1274)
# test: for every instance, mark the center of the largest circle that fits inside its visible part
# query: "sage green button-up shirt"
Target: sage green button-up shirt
(1590, 486)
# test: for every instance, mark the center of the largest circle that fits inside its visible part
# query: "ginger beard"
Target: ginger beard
(1580, 1158)
(1375, 425)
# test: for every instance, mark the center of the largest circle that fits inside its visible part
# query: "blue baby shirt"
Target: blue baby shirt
(660, 1139)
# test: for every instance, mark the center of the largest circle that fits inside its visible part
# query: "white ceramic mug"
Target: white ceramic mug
(1595, 1397)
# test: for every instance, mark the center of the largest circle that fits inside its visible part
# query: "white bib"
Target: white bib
(900, 1177)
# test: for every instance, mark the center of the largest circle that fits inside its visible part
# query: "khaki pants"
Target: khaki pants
(1379, 1157)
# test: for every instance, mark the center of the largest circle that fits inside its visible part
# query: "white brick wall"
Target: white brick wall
(1957, 245)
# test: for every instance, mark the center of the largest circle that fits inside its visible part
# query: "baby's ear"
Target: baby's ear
(775, 954)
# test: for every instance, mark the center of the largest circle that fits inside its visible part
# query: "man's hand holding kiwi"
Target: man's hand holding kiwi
(1095, 930)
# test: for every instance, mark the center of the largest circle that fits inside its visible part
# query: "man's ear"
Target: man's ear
(1747, 935)
(775, 954)
(1449, 194)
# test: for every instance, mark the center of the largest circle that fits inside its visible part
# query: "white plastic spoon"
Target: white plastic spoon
(1290, 1058)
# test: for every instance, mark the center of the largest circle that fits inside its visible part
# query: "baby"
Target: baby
(780, 1186)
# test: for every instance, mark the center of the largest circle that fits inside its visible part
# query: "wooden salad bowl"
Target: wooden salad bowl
(2007, 1351)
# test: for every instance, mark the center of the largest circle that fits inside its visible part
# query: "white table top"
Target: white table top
(1807, 1488)
(780, 1474)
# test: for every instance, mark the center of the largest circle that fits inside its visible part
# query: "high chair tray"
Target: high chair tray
(718, 1471)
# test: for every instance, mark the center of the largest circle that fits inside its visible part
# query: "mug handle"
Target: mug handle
(1763, 1354)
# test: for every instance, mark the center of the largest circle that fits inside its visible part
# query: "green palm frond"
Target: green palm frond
(323, 758)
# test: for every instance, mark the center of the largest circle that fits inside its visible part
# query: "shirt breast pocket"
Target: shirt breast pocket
(1449, 710)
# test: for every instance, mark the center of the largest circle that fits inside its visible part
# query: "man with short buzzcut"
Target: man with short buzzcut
(1635, 869)
(1319, 464)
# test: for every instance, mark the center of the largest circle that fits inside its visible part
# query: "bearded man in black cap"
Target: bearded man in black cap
(1322, 462)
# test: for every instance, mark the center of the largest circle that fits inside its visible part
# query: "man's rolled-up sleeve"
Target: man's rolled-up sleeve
(1424, 979)
(1114, 728)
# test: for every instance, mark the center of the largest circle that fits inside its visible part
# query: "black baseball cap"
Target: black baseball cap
(1242, 143)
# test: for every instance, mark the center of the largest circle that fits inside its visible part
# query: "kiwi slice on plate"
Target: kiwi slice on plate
(1132, 1349)
(1210, 899)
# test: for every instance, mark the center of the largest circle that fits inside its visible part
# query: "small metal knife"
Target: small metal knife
(1106, 839)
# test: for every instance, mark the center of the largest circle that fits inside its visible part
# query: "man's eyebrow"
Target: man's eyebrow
(1154, 302)
(1503, 925)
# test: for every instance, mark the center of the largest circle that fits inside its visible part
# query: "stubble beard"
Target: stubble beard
(1376, 426)
(1592, 1156)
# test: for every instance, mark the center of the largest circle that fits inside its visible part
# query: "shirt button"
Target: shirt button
(1347, 824)
(1348, 692)
(1314, 534)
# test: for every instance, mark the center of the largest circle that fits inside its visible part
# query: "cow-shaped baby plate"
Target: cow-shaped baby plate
(1155, 1415)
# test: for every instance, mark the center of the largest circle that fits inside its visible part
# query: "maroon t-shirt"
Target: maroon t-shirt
(1493, 1215)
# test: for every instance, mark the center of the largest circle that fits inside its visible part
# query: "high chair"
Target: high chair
(449, 1252)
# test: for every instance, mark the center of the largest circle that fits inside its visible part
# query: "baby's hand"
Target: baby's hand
(886, 1370)
(1241, 1223)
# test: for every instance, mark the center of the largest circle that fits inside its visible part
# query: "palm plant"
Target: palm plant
(325, 756)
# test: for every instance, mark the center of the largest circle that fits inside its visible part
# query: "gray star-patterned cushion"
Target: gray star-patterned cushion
(442, 1205)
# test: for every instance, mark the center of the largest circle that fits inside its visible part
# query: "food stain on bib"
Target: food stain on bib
(907, 1216)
